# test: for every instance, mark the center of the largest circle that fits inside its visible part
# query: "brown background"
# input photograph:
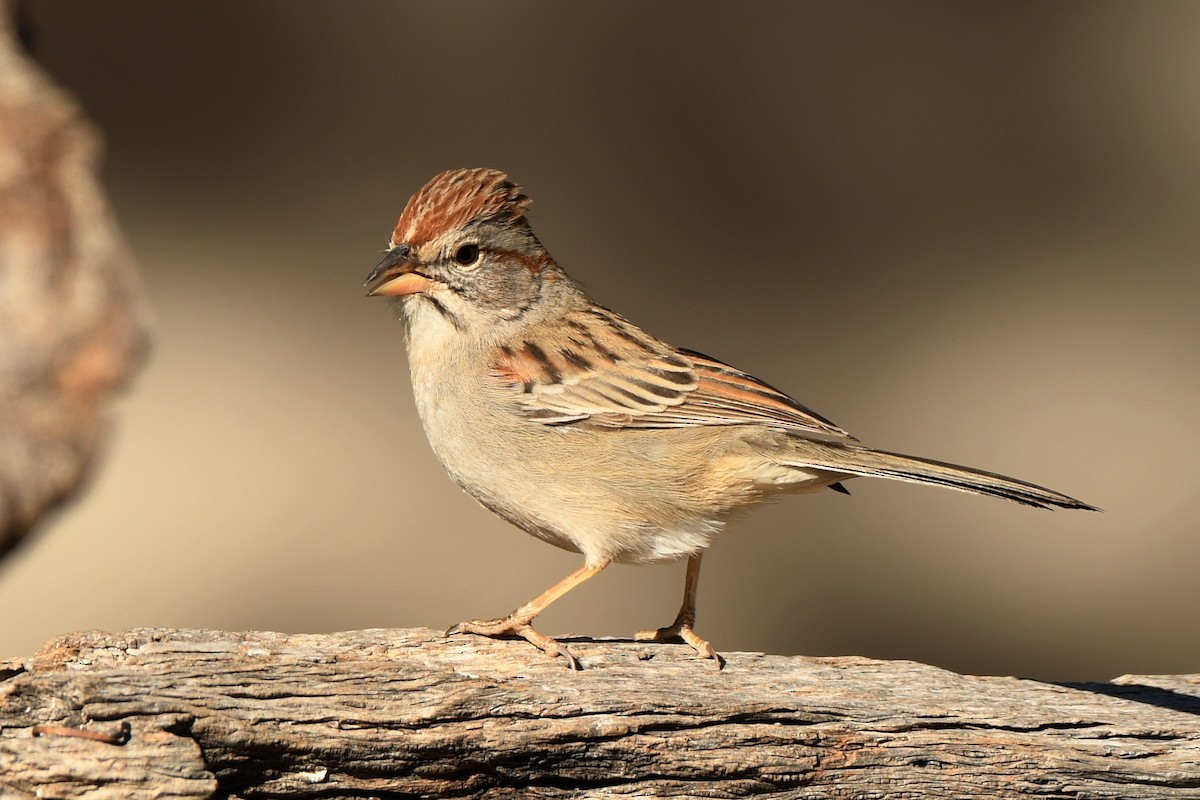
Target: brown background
(967, 231)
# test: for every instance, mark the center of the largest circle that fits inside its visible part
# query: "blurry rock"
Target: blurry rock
(71, 317)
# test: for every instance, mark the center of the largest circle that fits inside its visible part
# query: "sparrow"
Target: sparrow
(582, 429)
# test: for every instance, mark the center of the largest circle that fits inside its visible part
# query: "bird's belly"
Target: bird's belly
(609, 499)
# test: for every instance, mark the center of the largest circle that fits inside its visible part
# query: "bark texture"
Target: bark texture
(399, 713)
(70, 317)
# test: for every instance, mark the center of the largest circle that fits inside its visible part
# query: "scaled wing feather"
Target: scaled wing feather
(603, 372)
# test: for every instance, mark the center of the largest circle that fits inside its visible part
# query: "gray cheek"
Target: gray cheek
(497, 290)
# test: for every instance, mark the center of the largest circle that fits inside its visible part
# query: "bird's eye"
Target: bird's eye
(466, 255)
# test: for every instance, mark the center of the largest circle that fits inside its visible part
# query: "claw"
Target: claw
(682, 631)
(572, 661)
(518, 622)
(517, 626)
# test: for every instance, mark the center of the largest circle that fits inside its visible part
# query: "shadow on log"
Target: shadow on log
(398, 713)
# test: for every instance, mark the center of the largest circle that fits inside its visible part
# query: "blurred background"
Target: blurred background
(965, 231)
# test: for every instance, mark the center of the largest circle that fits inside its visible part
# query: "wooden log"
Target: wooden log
(399, 713)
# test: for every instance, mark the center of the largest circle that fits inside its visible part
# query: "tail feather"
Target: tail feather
(851, 459)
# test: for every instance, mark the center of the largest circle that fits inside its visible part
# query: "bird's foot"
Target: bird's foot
(513, 625)
(681, 631)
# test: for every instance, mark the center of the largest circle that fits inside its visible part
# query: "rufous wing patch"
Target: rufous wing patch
(599, 370)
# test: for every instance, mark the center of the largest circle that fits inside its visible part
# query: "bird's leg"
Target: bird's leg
(682, 628)
(518, 622)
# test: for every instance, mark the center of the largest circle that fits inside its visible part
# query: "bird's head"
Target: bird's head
(464, 246)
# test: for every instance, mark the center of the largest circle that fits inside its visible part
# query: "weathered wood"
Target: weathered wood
(71, 317)
(390, 713)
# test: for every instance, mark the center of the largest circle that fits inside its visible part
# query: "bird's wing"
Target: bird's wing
(601, 371)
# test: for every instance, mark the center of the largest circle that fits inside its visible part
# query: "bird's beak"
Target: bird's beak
(396, 275)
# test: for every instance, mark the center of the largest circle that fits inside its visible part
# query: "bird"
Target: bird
(579, 427)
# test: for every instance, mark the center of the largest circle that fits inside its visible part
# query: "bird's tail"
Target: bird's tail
(847, 459)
